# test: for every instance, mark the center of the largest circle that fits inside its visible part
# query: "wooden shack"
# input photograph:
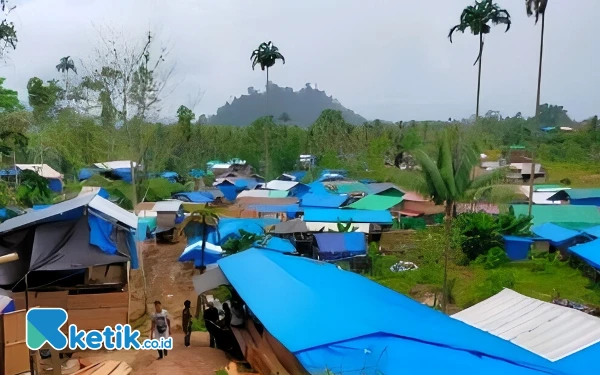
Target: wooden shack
(14, 354)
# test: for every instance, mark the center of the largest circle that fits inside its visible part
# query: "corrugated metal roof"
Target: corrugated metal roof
(546, 329)
(539, 197)
(378, 187)
(377, 202)
(43, 170)
(167, 206)
(281, 185)
(263, 194)
(573, 216)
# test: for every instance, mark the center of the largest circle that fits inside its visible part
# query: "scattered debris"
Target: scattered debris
(106, 367)
(577, 306)
(403, 266)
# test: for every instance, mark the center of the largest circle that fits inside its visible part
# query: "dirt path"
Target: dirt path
(198, 359)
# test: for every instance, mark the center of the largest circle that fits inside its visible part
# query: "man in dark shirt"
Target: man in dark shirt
(211, 314)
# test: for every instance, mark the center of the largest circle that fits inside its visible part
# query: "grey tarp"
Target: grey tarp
(66, 246)
(292, 226)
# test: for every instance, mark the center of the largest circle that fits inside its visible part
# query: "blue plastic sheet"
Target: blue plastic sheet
(322, 200)
(123, 174)
(195, 197)
(55, 185)
(335, 246)
(101, 232)
(589, 252)
(132, 246)
(338, 320)
(557, 235)
(170, 176)
(229, 190)
(594, 231)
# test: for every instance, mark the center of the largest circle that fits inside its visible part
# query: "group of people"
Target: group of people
(219, 330)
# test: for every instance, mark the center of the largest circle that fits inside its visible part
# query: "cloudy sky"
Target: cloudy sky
(387, 59)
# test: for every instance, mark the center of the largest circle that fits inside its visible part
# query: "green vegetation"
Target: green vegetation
(543, 277)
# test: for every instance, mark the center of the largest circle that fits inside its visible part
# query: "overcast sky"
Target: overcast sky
(387, 59)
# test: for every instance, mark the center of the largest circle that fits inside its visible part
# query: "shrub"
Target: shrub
(198, 325)
(494, 258)
(495, 282)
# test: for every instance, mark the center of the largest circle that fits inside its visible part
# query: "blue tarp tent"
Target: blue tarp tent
(122, 174)
(194, 197)
(170, 176)
(6, 304)
(589, 252)
(337, 246)
(517, 248)
(193, 252)
(228, 228)
(322, 200)
(331, 215)
(318, 318)
(229, 190)
(557, 235)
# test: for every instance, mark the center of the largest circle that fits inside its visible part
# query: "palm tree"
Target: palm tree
(266, 55)
(537, 7)
(66, 64)
(446, 178)
(477, 19)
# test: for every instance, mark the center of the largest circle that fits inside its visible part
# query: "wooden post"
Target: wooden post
(56, 365)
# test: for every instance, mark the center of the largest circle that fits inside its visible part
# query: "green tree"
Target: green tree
(477, 19)
(285, 117)
(185, 116)
(8, 34)
(266, 55)
(65, 65)
(446, 178)
(42, 98)
(9, 100)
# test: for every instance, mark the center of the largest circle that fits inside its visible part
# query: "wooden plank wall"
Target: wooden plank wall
(13, 349)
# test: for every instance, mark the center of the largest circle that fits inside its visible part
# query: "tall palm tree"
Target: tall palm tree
(66, 64)
(266, 55)
(446, 178)
(477, 18)
(537, 8)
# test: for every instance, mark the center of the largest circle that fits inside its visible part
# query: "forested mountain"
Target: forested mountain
(285, 105)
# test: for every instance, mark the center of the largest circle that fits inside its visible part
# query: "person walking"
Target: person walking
(186, 322)
(226, 322)
(211, 314)
(161, 326)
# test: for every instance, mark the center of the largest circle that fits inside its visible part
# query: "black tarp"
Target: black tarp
(66, 245)
(19, 242)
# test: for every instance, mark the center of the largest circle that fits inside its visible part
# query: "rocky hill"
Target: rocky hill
(285, 105)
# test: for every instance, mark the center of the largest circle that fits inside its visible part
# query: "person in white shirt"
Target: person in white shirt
(237, 316)
(161, 326)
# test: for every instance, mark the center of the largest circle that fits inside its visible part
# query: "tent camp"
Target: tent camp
(406, 337)
(55, 179)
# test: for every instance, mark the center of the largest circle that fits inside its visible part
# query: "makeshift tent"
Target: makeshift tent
(229, 190)
(276, 244)
(378, 202)
(322, 200)
(517, 248)
(6, 304)
(228, 228)
(61, 237)
(290, 209)
(589, 252)
(281, 185)
(195, 197)
(318, 188)
(317, 318)
(347, 188)
(337, 246)
(582, 359)
(347, 215)
(539, 197)
(546, 329)
(170, 176)
(193, 252)
(292, 226)
(557, 235)
(573, 217)
(378, 187)
(316, 226)
(578, 197)
(55, 179)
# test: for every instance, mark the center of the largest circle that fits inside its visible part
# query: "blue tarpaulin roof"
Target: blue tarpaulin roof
(517, 248)
(276, 244)
(318, 317)
(195, 197)
(336, 246)
(594, 231)
(228, 228)
(318, 188)
(170, 176)
(331, 215)
(589, 251)
(193, 252)
(557, 235)
(322, 200)
(229, 190)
